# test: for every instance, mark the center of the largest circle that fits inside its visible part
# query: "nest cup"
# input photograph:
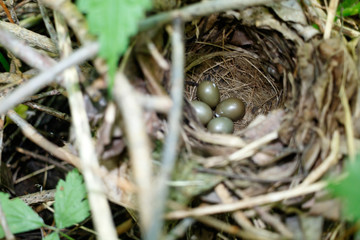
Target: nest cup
(240, 69)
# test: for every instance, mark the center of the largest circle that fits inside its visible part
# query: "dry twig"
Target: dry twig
(48, 24)
(23, 51)
(138, 144)
(248, 203)
(31, 38)
(99, 205)
(46, 77)
(327, 163)
(38, 139)
(330, 18)
(198, 10)
(73, 17)
(169, 154)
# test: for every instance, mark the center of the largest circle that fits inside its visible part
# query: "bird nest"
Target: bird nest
(299, 105)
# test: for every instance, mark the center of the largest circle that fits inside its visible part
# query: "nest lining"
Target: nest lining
(240, 69)
(237, 75)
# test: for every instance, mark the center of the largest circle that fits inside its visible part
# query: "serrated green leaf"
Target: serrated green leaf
(71, 205)
(114, 22)
(19, 216)
(52, 236)
(347, 190)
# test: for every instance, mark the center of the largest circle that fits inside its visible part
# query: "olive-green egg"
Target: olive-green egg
(203, 111)
(221, 125)
(208, 92)
(232, 108)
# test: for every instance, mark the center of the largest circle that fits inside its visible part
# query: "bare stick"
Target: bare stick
(175, 119)
(249, 149)
(23, 51)
(35, 84)
(31, 38)
(349, 129)
(45, 169)
(39, 197)
(330, 18)
(2, 123)
(179, 230)
(138, 144)
(48, 110)
(73, 17)
(199, 9)
(6, 10)
(99, 205)
(5, 226)
(42, 158)
(330, 161)
(38, 139)
(249, 202)
(11, 6)
(48, 24)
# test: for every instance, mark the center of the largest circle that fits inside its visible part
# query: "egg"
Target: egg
(208, 92)
(203, 111)
(221, 125)
(232, 108)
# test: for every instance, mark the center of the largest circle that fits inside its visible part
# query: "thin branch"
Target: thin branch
(53, 92)
(330, 18)
(42, 170)
(330, 161)
(199, 9)
(349, 129)
(48, 110)
(6, 10)
(175, 119)
(11, 6)
(138, 144)
(23, 51)
(35, 84)
(2, 123)
(180, 229)
(100, 209)
(31, 38)
(73, 17)
(249, 149)
(39, 197)
(249, 202)
(38, 139)
(48, 24)
(43, 158)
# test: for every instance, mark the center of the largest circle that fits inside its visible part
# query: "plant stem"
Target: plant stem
(99, 206)
(197, 10)
(175, 119)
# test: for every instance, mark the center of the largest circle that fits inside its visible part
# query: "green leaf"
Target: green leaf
(20, 109)
(19, 216)
(347, 190)
(348, 3)
(52, 236)
(349, 8)
(4, 62)
(114, 22)
(71, 205)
